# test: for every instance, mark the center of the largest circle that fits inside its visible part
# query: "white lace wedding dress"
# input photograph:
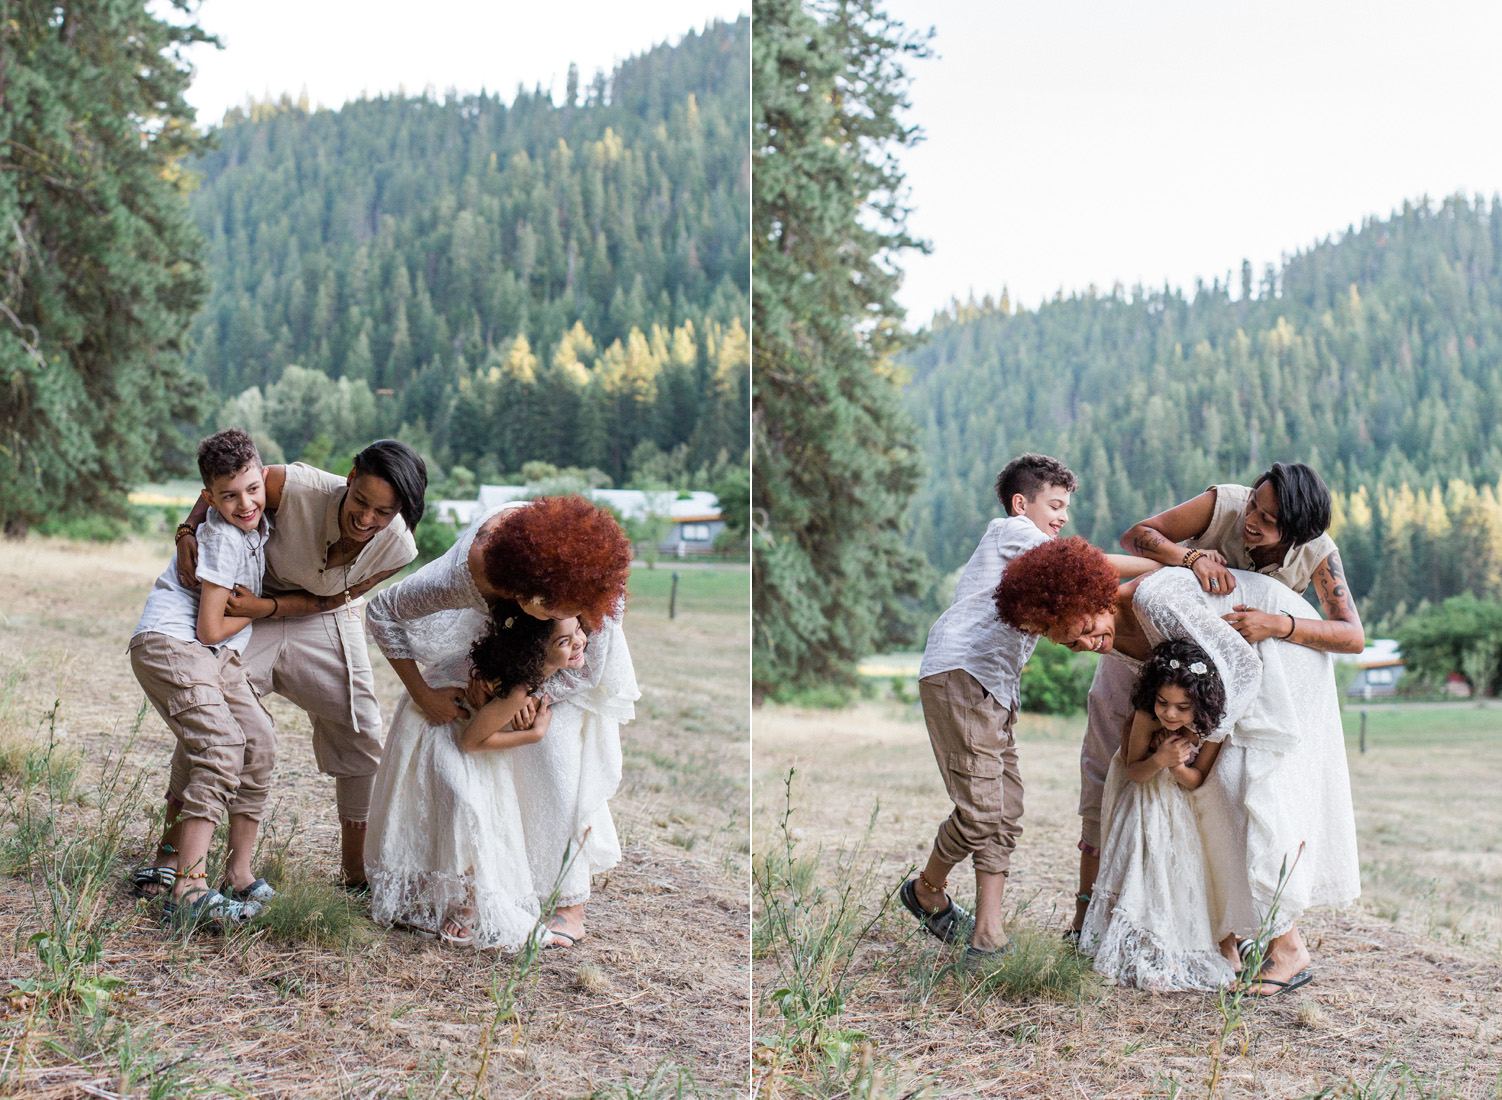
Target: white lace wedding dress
(1148, 923)
(1279, 783)
(500, 831)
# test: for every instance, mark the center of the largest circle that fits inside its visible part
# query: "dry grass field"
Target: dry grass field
(1407, 1001)
(317, 1001)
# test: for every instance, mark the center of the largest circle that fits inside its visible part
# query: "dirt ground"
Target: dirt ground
(659, 984)
(1395, 986)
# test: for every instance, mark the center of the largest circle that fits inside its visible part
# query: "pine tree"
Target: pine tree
(102, 267)
(834, 468)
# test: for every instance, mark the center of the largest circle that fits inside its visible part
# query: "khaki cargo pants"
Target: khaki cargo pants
(971, 734)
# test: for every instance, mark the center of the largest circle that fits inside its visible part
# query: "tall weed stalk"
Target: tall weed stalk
(813, 932)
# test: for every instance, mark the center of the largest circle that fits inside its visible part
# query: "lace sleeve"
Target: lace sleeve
(606, 684)
(431, 615)
(1171, 604)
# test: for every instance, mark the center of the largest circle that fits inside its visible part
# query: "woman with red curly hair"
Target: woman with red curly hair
(557, 558)
(1276, 813)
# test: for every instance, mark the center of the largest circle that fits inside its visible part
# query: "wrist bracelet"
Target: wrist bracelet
(1192, 557)
(184, 529)
(275, 607)
(1292, 625)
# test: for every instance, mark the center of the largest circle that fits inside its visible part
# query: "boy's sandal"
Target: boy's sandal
(981, 956)
(254, 897)
(209, 911)
(1072, 937)
(947, 923)
(165, 878)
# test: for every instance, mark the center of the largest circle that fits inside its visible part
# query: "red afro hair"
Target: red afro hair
(564, 551)
(1056, 585)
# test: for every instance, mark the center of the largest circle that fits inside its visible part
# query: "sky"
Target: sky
(339, 48)
(1097, 141)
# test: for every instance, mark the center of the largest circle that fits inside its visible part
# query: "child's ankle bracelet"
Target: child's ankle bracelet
(930, 887)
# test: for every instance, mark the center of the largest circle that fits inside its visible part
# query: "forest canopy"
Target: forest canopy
(1376, 357)
(496, 279)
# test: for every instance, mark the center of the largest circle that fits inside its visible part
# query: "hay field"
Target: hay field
(325, 1004)
(1408, 995)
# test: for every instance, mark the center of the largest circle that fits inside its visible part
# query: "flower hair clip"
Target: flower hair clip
(1198, 668)
(508, 623)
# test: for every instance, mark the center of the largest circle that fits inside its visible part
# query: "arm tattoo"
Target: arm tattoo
(1334, 595)
(1148, 543)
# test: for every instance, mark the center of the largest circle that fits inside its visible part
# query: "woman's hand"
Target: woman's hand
(1210, 570)
(1174, 751)
(247, 605)
(439, 705)
(1256, 626)
(187, 561)
(477, 693)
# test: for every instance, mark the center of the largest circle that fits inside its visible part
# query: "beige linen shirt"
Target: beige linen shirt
(307, 524)
(1224, 534)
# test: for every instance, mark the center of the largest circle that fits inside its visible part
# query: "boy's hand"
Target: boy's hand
(187, 561)
(245, 604)
(1210, 569)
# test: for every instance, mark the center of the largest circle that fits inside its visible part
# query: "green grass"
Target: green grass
(1418, 724)
(715, 589)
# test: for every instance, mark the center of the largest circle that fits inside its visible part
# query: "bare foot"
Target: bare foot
(457, 927)
(566, 928)
(1286, 957)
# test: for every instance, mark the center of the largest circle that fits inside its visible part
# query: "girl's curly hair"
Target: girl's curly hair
(1055, 584)
(565, 551)
(1171, 666)
(513, 650)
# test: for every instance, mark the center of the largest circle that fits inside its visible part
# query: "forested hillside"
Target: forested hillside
(1375, 357)
(501, 280)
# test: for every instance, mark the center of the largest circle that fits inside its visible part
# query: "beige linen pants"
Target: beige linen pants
(320, 663)
(226, 742)
(1107, 709)
(971, 734)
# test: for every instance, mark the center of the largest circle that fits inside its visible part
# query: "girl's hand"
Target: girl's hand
(527, 715)
(1256, 626)
(1174, 751)
(1210, 570)
(246, 604)
(543, 717)
(440, 705)
(187, 561)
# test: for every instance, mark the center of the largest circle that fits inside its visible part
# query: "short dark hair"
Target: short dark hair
(1029, 475)
(1303, 502)
(403, 469)
(225, 454)
(513, 650)
(1169, 666)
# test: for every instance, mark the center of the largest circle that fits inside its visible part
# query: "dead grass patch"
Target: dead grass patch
(317, 1002)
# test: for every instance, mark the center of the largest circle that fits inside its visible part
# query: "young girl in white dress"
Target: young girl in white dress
(454, 847)
(1149, 920)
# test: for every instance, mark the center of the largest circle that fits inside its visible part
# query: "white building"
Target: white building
(695, 516)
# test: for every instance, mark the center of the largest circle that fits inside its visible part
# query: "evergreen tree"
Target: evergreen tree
(102, 269)
(834, 471)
